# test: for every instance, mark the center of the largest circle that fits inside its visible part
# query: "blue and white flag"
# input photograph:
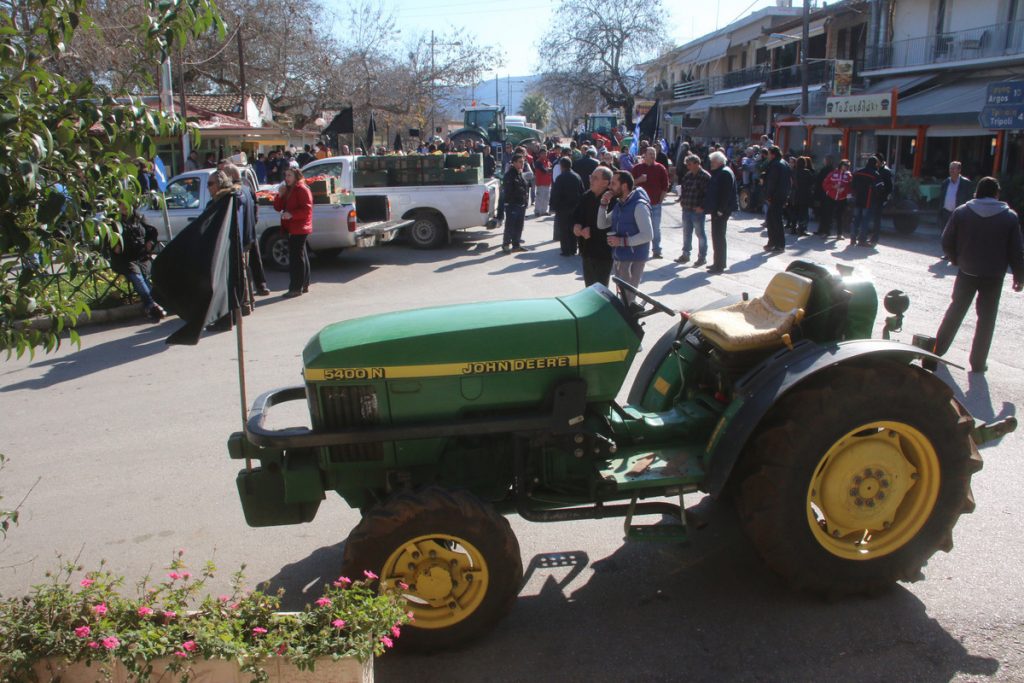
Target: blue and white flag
(160, 171)
(634, 147)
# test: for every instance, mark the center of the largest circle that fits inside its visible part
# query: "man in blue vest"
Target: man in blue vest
(627, 218)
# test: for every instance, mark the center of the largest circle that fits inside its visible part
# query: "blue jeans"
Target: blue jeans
(694, 220)
(861, 223)
(142, 287)
(515, 214)
(656, 222)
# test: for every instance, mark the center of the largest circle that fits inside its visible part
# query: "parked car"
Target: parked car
(336, 227)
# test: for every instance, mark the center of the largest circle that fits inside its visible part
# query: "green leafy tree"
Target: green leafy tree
(536, 109)
(66, 162)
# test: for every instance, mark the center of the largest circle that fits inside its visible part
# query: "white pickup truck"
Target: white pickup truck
(435, 210)
(335, 226)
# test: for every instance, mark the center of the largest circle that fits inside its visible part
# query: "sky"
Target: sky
(515, 28)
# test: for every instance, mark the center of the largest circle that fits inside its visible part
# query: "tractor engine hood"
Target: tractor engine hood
(512, 350)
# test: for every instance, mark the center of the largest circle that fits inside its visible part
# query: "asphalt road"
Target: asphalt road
(120, 448)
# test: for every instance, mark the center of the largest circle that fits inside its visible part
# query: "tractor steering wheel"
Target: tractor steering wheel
(626, 287)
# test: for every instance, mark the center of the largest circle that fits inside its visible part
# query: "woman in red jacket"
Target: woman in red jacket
(836, 185)
(295, 202)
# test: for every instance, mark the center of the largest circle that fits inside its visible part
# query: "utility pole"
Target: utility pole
(433, 128)
(185, 141)
(241, 72)
(804, 75)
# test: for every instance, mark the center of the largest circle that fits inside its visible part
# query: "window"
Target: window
(743, 59)
(732, 62)
(183, 193)
(481, 118)
(335, 169)
(761, 57)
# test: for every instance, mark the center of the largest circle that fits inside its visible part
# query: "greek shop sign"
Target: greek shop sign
(859, 106)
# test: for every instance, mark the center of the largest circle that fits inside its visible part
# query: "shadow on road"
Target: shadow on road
(708, 612)
(143, 342)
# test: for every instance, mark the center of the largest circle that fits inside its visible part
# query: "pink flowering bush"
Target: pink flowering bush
(89, 619)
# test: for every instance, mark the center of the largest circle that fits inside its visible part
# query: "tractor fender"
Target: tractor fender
(762, 387)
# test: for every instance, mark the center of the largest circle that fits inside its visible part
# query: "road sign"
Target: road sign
(1004, 117)
(1004, 93)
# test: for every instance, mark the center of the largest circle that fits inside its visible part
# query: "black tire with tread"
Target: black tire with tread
(270, 247)
(408, 515)
(427, 231)
(775, 471)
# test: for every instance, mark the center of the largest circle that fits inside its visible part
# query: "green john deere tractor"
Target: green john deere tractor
(485, 124)
(848, 460)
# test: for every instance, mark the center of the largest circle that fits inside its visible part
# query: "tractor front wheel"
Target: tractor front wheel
(859, 495)
(451, 555)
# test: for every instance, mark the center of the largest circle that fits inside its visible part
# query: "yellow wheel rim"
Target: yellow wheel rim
(873, 491)
(446, 576)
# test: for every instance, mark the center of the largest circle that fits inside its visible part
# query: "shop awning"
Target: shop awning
(712, 50)
(953, 103)
(794, 35)
(699, 107)
(786, 97)
(734, 97)
(904, 85)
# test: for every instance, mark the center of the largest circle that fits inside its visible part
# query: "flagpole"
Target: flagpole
(240, 344)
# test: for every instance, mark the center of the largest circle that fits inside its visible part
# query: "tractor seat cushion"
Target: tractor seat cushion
(760, 322)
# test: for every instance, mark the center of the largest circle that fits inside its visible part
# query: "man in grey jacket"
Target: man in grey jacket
(982, 239)
(626, 215)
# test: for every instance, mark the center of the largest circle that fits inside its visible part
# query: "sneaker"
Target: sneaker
(506, 249)
(714, 270)
(156, 313)
(767, 247)
(656, 254)
(292, 293)
(263, 291)
(700, 262)
(519, 248)
(685, 258)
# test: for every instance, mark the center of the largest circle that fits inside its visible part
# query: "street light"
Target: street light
(433, 76)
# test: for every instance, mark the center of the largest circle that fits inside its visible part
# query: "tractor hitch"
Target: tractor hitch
(984, 432)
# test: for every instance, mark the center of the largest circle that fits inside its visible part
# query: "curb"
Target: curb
(97, 317)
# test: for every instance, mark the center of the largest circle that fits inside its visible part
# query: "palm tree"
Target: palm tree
(536, 109)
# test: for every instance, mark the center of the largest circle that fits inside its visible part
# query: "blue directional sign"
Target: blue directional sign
(1004, 93)
(1004, 117)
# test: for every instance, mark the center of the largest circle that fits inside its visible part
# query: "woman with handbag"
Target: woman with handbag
(295, 202)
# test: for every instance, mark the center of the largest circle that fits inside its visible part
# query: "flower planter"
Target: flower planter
(279, 669)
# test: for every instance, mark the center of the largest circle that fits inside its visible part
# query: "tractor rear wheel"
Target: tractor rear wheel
(860, 496)
(458, 557)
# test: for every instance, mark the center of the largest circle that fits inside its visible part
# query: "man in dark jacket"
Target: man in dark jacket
(585, 165)
(867, 195)
(131, 255)
(719, 203)
(776, 184)
(982, 238)
(824, 205)
(956, 190)
(594, 249)
(516, 193)
(885, 175)
(565, 197)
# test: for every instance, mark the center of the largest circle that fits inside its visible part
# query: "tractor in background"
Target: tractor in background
(485, 124)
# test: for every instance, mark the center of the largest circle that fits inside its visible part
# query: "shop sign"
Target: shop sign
(1004, 93)
(843, 77)
(859, 106)
(1006, 117)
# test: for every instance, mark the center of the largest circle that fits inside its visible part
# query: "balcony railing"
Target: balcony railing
(986, 42)
(819, 71)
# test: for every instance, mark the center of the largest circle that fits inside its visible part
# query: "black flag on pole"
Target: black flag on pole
(649, 123)
(194, 272)
(371, 131)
